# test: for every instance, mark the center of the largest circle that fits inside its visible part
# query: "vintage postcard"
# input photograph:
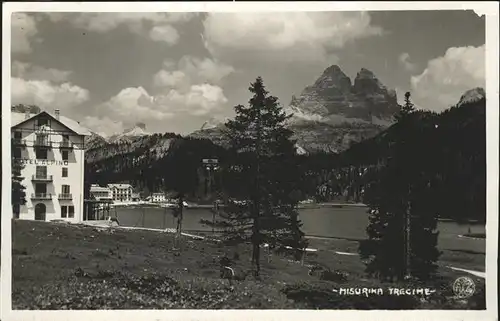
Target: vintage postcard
(254, 160)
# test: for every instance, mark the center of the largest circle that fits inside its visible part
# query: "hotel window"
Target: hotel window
(16, 153)
(64, 172)
(41, 189)
(65, 189)
(65, 155)
(42, 121)
(42, 139)
(41, 171)
(41, 154)
(67, 211)
(16, 209)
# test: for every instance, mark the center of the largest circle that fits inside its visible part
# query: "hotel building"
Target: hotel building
(51, 149)
(121, 192)
(158, 197)
(100, 193)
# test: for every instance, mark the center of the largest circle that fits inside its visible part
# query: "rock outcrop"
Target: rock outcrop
(129, 134)
(471, 96)
(94, 141)
(333, 95)
(333, 112)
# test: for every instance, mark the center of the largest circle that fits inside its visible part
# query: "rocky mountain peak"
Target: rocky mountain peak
(331, 113)
(367, 83)
(141, 126)
(472, 95)
(365, 73)
(333, 77)
(334, 95)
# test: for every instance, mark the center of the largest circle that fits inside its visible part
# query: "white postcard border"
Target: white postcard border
(492, 85)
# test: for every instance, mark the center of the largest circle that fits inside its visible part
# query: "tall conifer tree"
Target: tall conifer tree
(264, 164)
(401, 233)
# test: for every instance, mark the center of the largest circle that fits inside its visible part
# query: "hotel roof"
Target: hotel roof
(98, 189)
(120, 185)
(19, 118)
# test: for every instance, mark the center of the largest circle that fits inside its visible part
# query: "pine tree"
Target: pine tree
(18, 193)
(265, 178)
(407, 109)
(401, 233)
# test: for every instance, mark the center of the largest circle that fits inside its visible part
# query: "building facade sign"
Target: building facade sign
(31, 161)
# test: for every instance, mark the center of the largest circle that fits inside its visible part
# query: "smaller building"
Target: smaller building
(121, 192)
(158, 198)
(100, 193)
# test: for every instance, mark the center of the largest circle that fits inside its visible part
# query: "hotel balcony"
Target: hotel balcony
(65, 145)
(41, 178)
(64, 196)
(41, 196)
(42, 143)
(18, 142)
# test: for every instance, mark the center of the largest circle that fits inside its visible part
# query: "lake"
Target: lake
(349, 222)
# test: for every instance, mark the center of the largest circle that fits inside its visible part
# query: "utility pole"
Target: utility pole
(211, 165)
(215, 212)
(408, 235)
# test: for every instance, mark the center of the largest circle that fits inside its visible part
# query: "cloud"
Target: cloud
(192, 85)
(205, 69)
(164, 33)
(22, 31)
(198, 100)
(131, 103)
(165, 78)
(103, 126)
(47, 95)
(191, 70)
(48, 88)
(404, 60)
(136, 104)
(158, 26)
(189, 87)
(283, 37)
(33, 72)
(446, 78)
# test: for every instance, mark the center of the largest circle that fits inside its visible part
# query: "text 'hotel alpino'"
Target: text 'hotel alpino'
(51, 148)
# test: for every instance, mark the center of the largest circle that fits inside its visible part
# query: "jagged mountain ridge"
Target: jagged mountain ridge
(129, 134)
(157, 144)
(333, 112)
(94, 140)
(333, 94)
(471, 96)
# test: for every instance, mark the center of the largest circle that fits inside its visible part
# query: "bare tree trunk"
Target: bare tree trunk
(179, 221)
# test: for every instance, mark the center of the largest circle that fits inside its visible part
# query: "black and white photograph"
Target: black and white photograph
(258, 159)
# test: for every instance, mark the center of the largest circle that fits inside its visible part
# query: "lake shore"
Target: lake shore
(65, 266)
(209, 206)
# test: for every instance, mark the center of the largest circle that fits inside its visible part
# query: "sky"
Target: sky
(174, 71)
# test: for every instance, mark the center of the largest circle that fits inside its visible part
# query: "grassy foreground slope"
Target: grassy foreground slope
(58, 266)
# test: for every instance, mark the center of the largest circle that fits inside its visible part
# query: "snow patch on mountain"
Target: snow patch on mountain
(471, 96)
(139, 130)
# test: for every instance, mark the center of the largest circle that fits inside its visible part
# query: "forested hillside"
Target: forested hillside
(449, 148)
